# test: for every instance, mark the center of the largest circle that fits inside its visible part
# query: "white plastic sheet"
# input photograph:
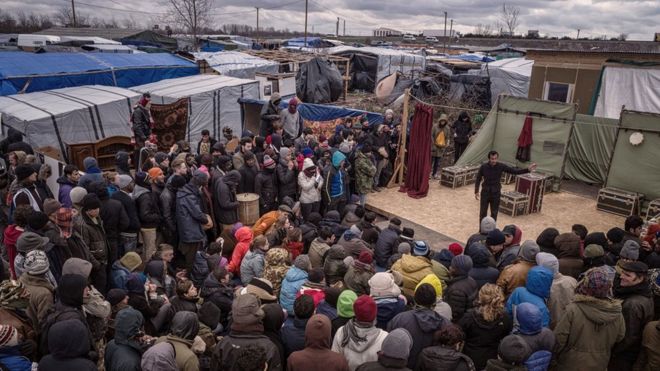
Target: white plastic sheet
(637, 88)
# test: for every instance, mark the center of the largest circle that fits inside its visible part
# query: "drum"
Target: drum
(248, 208)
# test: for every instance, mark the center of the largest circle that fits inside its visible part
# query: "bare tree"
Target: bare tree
(64, 17)
(622, 37)
(191, 15)
(483, 29)
(129, 23)
(509, 17)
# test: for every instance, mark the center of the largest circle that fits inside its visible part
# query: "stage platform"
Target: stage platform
(446, 214)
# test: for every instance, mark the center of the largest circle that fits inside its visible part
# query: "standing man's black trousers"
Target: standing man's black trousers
(492, 198)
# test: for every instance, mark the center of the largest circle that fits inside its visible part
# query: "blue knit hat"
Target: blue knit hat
(461, 264)
(420, 248)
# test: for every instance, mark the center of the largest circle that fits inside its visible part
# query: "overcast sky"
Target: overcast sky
(638, 19)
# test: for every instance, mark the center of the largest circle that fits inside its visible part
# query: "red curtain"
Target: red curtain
(525, 141)
(419, 149)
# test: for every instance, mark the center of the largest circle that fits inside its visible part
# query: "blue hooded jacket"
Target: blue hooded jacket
(337, 181)
(291, 284)
(536, 291)
(529, 320)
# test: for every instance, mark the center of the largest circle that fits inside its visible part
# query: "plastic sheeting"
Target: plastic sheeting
(29, 72)
(637, 88)
(237, 64)
(70, 115)
(591, 148)
(319, 81)
(508, 76)
(213, 100)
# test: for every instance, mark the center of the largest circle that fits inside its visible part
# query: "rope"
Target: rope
(449, 107)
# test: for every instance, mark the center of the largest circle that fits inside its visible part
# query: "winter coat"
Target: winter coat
(513, 276)
(70, 351)
(334, 267)
(293, 335)
(141, 122)
(276, 265)
(94, 236)
(353, 245)
(41, 297)
(421, 323)
(310, 189)
(66, 186)
(115, 219)
(460, 294)
(386, 245)
(317, 253)
(252, 266)
(587, 332)
(385, 363)
(226, 352)
(119, 276)
(529, 326)
(442, 358)
(365, 170)
(482, 338)
(562, 292)
(244, 237)
(570, 262)
(462, 131)
(265, 187)
(293, 281)
(536, 291)
(248, 176)
(168, 208)
(336, 181)
(413, 269)
(317, 349)
(651, 347)
(357, 353)
(147, 205)
(286, 180)
(123, 353)
(220, 295)
(189, 215)
(225, 203)
(357, 279)
(388, 307)
(482, 272)
(436, 151)
(12, 359)
(186, 360)
(508, 256)
(131, 210)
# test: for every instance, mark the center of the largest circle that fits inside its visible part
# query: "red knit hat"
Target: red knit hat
(365, 309)
(456, 248)
(365, 257)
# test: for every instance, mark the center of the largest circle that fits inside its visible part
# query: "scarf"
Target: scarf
(64, 218)
(350, 333)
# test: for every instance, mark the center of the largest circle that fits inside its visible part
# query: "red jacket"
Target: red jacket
(12, 233)
(244, 238)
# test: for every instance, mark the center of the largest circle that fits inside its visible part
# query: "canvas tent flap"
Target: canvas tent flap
(635, 87)
(591, 148)
(237, 64)
(508, 76)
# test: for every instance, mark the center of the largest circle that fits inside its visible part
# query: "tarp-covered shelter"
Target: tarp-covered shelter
(126, 36)
(630, 84)
(508, 76)
(213, 100)
(23, 72)
(470, 90)
(59, 117)
(312, 42)
(369, 65)
(237, 64)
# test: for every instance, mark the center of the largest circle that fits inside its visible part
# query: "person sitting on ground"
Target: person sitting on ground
(512, 239)
(511, 355)
(529, 326)
(122, 268)
(387, 242)
(562, 290)
(536, 291)
(482, 271)
(124, 351)
(413, 268)
(334, 267)
(441, 307)
(487, 224)
(358, 274)
(276, 264)
(515, 275)
(461, 288)
(314, 286)
(570, 262)
(317, 348)
(546, 241)
(69, 348)
(293, 331)
(252, 264)
(184, 329)
(293, 281)
(445, 354)
(393, 354)
(388, 298)
(320, 247)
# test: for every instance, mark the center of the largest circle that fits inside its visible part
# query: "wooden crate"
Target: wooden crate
(471, 174)
(619, 202)
(533, 185)
(453, 176)
(653, 210)
(514, 203)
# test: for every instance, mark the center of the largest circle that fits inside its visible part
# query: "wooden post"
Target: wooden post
(399, 164)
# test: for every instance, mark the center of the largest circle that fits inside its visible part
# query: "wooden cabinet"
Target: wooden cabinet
(104, 151)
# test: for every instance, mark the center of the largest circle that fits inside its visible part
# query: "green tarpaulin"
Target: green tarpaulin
(591, 149)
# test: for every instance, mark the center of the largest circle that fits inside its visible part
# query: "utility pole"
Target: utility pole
(73, 11)
(257, 20)
(337, 31)
(344, 27)
(578, 35)
(306, 23)
(444, 41)
(451, 28)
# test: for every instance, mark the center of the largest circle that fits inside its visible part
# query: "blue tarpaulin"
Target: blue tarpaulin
(472, 58)
(30, 72)
(312, 42)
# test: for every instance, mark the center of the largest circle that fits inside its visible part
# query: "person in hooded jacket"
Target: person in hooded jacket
(244, 237)
(387, 296)
(632, 286)
(422, 321)
(388, 241)
(528, 325)
(185, 326)
(358, 274)
(445, 354)
(413, 268)
(16, 143)
(317, 349)
(394, 353)
(512, 355)
(512, 239)
(546, 241)
(274, 317)
(486, 225)
(225, 204)
(482, 272)
(93, 173)
(124, 352)
(562, 290)
(570, 262)
(461, 288)
(69, 348)
(591, 325)
(252, 264)
(334, 267)
(310, 182)
(536, 291)
(190, 217)
(67, 182)
(276, 265)
(168, 208)
(332, 220)
(295, 277)
(335, 183)
(485, 325)
(515, 275)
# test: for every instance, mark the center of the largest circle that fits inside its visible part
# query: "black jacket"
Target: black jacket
(248, 175)
(482, 272)
(115, 219)
(462, 130)
(225, 204)
(442, 358)
(264, 186)
(71, 350)
(141, 123)
(287, 182)
(147, 207)
(491, 176)
(386, 245)
(483, 338)
(460, 294)
(638, 310)
(131, 211)
(168, 208)
(422, 323)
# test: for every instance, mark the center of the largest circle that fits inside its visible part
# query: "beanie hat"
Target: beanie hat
(397, 344)
(302, 262)
(160, 157)
(308, 164)
(615, 234)
(635, 266)
(593, 251)
(461, 264)
(115, 296)
(23, 172)
(345, 304)
(365, 309)
(307, 152)
(91, 202)
(268, 162)
(509, 230)
(8, 336)
(425, 295)
(37, 220)
(246, 310)
(408, 233)
(456, 248)
(444, 257)
(124, 180)
(596, 282)
(630, 250)
(420, 248)
(395, 222)
(200, 178)
(596, 238)
(345, 148)
(142, 179)
(36, 262)
(77, 266)
(365, 257)
(51, 206)
(544, 259)
(495, 237)
(528, 251)
(89, 162)
(78, 193)
(131, 260)
(177, 181)
(403, 248)
(487, 224)
(155, 172)
(382, 284)
(513, 349)
(209, 314)
(29, 241)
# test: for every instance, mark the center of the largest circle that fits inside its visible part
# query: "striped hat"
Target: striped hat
(36, 263)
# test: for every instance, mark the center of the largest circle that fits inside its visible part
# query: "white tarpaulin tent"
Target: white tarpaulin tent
(213, 100)
(237, 64)
(509, 76)
(59, 117)
(636, 87)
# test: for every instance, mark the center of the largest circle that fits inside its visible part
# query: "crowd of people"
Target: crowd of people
(147, 267)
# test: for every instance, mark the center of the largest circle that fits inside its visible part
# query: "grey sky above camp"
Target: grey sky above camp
(636, 18)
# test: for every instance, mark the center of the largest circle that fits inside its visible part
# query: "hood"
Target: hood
(295, 274)
(90, 163)
(539, 281)
(189, 190)
(568, 245)
(139, 191)
(11, 235)
(517, 237)
(371, 334)
(273, 317)
(529, 319)
(337, 158)
(308, 163)
(598, 311)
(336, 252)
(546, 239)
(63, 180)
(70, 290)
(411, 264)
(277, 257)
(447, 357)
(68, 339)
(333, 216)
(127, 324)
(318, 332)
(14, 135)
(244, 234)
(480, 255)
(252, 255)
(428, 320)
(185, 325)
(232, 178)
(285, 155)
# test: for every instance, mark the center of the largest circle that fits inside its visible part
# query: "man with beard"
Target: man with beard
(27, 193)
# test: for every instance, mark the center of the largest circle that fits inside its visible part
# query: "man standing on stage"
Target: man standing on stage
(491, 172)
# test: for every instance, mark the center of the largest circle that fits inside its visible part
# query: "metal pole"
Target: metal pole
(257, 20)
(344, 27)
(578, 35)
(337, 31)
(444, 42)
(306, 1)
(73, 10)
(451, 28)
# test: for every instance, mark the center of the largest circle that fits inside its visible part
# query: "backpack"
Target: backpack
(440, 140)
(161, 357)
